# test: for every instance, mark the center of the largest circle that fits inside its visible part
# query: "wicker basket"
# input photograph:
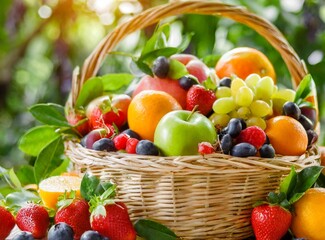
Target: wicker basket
(197, 197)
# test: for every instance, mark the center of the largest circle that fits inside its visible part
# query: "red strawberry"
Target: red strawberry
(205, 148)
(33, 218)
(76, 215)
(270, 222)
(79, 121)
(7, 223)
(253, 135)
(112, 220)
(204, 98)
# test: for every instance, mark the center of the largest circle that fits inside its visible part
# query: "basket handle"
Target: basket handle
(239, 14)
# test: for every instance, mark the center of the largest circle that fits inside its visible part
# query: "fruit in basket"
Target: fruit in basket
(75, 213)
(187, 82)
(291, 109)
(178, 133)
(309, 214)
(120, 141)
(253, 135)
(79, 121)
(183, 57)
(146, 147)
(97, 134)
(270, 221)
(147, 108)
(267, 151)
(131, 145)
(33, 218)
(92, 235)
(161, 67)
(199, 96)
(287, 135)
(167, 85)
(104, 144)
(23, 236)
(243, 61)
(243, 149)
(51, 188)
(205, 148)
(198, 69)
(7, 222)
(60, 231)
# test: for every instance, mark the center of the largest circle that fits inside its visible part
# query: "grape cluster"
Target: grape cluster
(252, 99)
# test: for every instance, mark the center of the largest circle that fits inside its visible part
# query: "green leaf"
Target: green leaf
(48, 159)
(320, 181)
(176, 69)
(33, 141)
(151, 230)
(209, 84)
(91, 89)
(114, 82)
(17, 200)
(50, 114)
(304, 89)
(151, 56)
(296, 197)
(185, 42)
(102, 187)
(144, 67)
(26, 175)
(88, 186)
(14, 179)
(289, 182)
(157, 40)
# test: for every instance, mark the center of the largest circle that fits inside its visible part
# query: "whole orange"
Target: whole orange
(287, 135)
(147, 108)
(308, 219)
(243, 61)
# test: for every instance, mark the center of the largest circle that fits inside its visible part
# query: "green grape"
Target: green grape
(256, 121)
(222, 92)
(285, 94)
(244, 96)
(252, 80)
(260, 108)
(224, 105)
(235, 85)
(233, 114)
(244, 112)
(219, 120)
(264, 88)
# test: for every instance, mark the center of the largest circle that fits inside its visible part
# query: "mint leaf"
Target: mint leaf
(115, 82)
(48, 159)
(151, 230)
(88, 186)
(289, 182)
(91, 89)
(50, 114)
(304, 89)
(176, 69)
(35, 139)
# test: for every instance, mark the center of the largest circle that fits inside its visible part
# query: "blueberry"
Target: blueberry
(267, 151)
(132, 134)
(146, 147)
(186, 82)
(312, 137)
(226, 143)
(92, 235)
(60, 231)
(291, 109)
(306, 122)
(161, 67)
(234, 127)
(104, 144)
(243, 150)
(24, 236)
(225, 82)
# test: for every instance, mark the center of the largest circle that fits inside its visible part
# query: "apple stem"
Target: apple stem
(193, 111)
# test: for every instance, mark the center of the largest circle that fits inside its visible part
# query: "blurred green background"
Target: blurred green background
(41, 41)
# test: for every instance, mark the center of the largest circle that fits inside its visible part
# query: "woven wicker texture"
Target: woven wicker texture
(197, 197)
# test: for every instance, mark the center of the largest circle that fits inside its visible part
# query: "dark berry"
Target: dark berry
(226, 143)
(267, 151)
(186, 82)
(60, 231)
(132, 134)
(243, 123)
(24, 236)
(120, 141)
(146, 147)
(291, 109)
(131, 145)
(104, 144)
(312, 137)
(234, 127)
(225, 82)
(306, 122)
(205, 148)
(92, 235)
(243, 150)
(161, 67)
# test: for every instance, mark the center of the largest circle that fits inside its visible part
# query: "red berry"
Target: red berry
(120, 141)
(204, 98)
(205, 148)
(7, 222)
(131, 145)
(253, 135)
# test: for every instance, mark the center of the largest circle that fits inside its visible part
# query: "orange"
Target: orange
(287, 135)
(51, 188)
(147, 108)
(243, 61)
(308, 220)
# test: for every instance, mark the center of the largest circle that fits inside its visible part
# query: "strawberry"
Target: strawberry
(204, 98)
(7, 222)
(33, 218)
(75, 213)
(205, 148)
(79, 122)
(270, 222)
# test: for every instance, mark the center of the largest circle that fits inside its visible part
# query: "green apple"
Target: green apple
(179, 132)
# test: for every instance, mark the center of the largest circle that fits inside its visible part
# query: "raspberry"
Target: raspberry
(253, 135)
(205, 148)
(131, 145)
(120, 141)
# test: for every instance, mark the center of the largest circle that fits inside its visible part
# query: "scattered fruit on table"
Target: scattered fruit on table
(60, 231)
(7, 222)
(92, 235)
(23, 235)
